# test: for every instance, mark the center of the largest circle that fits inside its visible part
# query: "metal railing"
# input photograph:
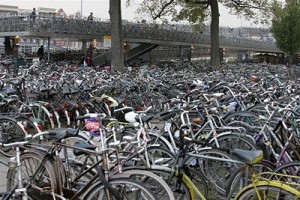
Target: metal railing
(98, 29)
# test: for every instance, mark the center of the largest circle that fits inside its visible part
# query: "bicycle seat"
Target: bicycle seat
(83, 145)
(10, 101)
(9, 91)
(60, 133)
(249, 157)
(144, 118)
(167, 114)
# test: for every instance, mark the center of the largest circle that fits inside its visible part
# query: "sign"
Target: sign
(107, 41)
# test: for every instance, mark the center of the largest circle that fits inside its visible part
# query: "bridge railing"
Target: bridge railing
(135, 31)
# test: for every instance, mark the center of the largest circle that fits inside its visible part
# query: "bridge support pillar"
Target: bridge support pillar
(189, 54)
(240, 57)
(7, 46)
(221, 50)
(84, 47)
(48, 50)
(280, 58)
(15, 46)
(247, 56)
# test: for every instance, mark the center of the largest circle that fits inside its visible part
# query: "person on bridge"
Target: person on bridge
(90, 17)
(33, 15)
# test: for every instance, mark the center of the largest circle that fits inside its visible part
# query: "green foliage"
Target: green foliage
(286, 26)
(191, 12)
(195, 11)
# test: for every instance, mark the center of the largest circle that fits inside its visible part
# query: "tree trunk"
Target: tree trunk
(289, 66)
(214, 34)
(7, 46)
(117, 54)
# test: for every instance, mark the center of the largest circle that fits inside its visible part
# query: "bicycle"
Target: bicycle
(261, 186)
(92, 174)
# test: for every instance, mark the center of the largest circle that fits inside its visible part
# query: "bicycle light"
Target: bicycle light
(12, 164)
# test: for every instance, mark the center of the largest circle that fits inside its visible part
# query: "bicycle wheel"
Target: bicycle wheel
(152, 181)
(10, 131)
(128, 189)
(216, 171)
(244, 116)
(291, 168)
(157, 139)
(45, 178)
(198, 179)
(181, 193)
(238, 179)
(266, 192)
(233, 141)
(41, 113)
(30, 126)
(160, 156)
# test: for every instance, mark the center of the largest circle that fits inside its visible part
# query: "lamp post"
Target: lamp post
(81, 10)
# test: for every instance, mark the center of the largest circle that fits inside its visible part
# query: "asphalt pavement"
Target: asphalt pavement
(3, 173)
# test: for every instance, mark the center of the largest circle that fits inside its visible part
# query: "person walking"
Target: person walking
(41, 53)
(33, 15)
(90, 17)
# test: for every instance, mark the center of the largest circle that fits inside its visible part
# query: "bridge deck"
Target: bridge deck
(139, 33)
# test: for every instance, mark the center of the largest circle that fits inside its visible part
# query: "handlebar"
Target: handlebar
(28, 138)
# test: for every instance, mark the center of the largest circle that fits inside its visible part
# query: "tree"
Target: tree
(286, 27)
(117, 54)
(195, 11)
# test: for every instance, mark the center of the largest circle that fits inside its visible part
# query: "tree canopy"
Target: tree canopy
(196, 11)
(286, 26)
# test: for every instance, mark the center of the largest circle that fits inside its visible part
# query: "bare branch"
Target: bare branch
(162, 10)
(246, 5)
(196, 2)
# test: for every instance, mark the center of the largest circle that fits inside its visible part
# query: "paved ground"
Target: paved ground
(3, 172)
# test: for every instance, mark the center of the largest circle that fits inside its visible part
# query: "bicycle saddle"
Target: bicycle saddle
(61, 133)
(249, 157)
(83, 145)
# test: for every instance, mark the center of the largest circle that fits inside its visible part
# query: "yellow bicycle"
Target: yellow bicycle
(263, 185)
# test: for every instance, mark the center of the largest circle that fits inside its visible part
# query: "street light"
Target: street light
(81, 10)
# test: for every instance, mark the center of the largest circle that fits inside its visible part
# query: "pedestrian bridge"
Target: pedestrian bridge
(81, 30)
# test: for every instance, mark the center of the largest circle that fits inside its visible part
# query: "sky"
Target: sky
(100, 9)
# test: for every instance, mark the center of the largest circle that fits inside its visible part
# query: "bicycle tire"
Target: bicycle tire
(244, 116)
(291, 168)
(216, 172)
(199, 180)
(10, 131)
(234, 141)
(165, 173)
(158, 139)
(29, 125)
(239, 175)
(41, 113)
(30, 162)
(268, 190)
(97, 190)
(152, 181)
(160, 156)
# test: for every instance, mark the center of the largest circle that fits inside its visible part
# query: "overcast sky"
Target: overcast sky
(100, 9)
